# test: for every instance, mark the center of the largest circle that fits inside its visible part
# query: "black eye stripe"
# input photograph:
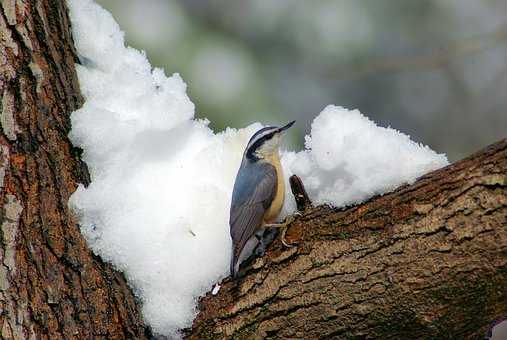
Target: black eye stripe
(251, 149)
(261, 141)
(259, 138)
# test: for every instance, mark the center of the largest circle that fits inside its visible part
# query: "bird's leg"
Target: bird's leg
(284, 226)
(261, 246)
(264, 237)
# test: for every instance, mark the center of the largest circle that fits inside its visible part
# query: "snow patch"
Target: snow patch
(348, 159)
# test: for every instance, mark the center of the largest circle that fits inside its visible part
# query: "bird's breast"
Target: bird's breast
(277, 204)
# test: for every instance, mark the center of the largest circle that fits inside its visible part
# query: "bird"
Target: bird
(258, 194)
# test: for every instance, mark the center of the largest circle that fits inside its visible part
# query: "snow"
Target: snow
(348, 159)
(216, 289)
(158, 204)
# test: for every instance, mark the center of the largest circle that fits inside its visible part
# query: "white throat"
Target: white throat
(269, 148)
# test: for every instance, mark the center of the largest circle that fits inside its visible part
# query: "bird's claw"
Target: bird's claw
(284, 241)
(284, 226)
(288, 221)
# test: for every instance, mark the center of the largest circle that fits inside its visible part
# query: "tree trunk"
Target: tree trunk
(51, 285)
(426, 261)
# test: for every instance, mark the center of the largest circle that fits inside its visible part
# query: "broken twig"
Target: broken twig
(299, 192)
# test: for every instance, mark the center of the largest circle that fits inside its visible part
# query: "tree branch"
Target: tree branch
(426, 261)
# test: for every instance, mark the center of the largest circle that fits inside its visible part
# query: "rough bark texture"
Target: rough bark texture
(426, 261)
(51, 285)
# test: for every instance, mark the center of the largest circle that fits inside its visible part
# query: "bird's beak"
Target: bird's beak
(283, 128)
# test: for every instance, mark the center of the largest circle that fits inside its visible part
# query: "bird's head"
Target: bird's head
(265, 142)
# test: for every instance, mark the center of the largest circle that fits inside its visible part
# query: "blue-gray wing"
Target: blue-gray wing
(254, 190)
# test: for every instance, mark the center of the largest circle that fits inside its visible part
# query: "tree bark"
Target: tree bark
(51, 285)
(426, 261)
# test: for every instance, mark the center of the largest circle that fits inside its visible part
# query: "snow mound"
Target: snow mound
(349, 159)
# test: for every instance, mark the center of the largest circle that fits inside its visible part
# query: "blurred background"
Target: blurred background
(433, 69)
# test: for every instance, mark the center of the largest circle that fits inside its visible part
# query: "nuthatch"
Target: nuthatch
(258, 194)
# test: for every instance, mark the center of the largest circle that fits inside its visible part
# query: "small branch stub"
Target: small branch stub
(299, 192)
